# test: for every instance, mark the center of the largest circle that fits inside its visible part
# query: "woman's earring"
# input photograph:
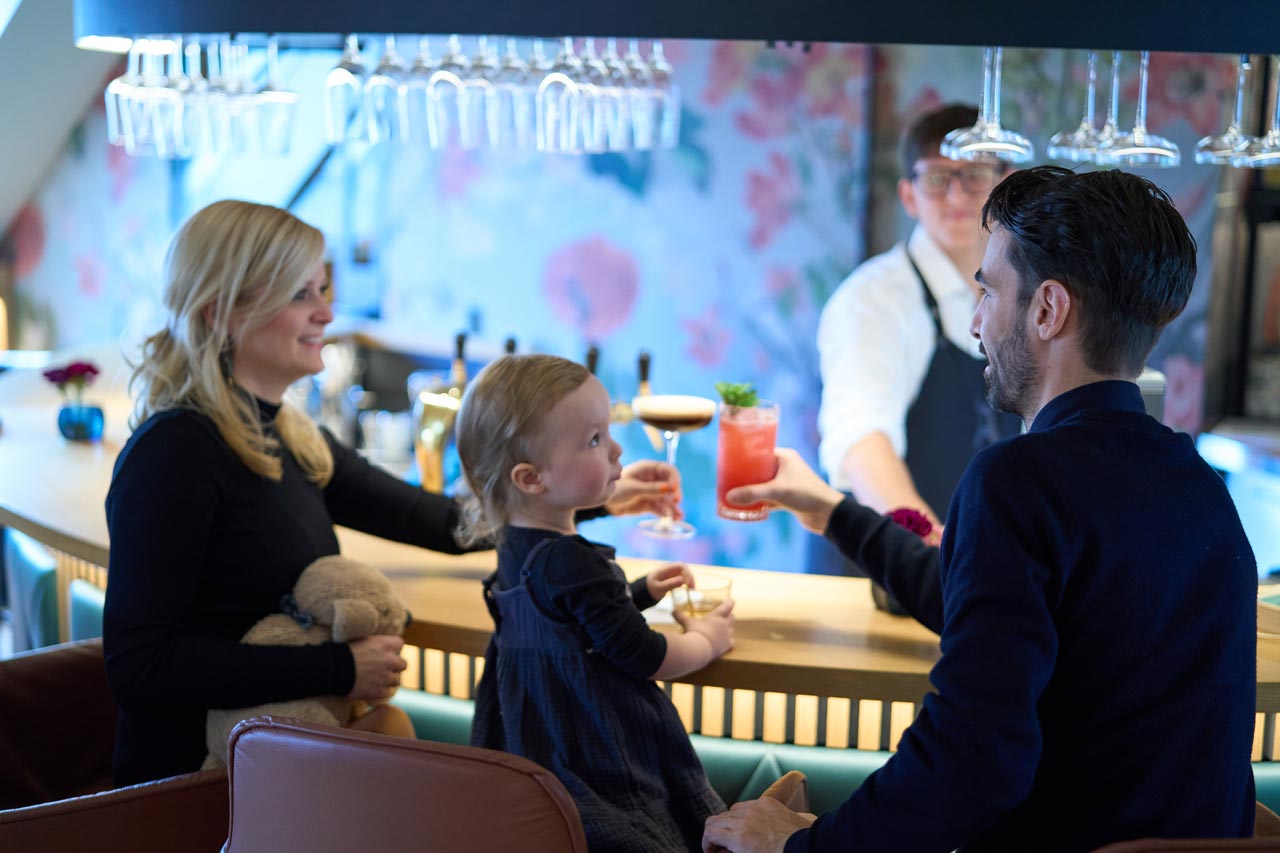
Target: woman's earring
(224, 359)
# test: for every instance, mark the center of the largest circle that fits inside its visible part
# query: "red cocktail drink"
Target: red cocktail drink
(748, 435)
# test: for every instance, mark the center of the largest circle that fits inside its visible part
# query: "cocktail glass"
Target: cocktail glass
(709, 591)
(673, 414)
(748, 435)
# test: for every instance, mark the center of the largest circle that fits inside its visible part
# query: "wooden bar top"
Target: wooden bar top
(802, 634)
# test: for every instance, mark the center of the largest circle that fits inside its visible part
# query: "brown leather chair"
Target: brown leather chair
(57, 731)
(300, 786)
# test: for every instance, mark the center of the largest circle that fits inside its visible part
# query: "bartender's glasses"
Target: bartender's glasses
(974, 178)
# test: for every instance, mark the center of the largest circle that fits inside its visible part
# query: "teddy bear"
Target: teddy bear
(336, 599)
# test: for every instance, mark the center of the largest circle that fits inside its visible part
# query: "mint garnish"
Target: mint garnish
(740, 394)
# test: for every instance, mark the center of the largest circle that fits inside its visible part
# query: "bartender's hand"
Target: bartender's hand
(646, 486)
(754, 826)
(796, 488)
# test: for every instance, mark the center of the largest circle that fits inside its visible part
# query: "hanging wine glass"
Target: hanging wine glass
(666, 98)
(415, 103)
(1264, 152)
(560, 102)
(1078, 146)
(595, 83)
(617, 98)
(513, 101)
(644, 112)
(197, 129)
(987, 139)
(383, 96)
(344, 96)
(1221, 148)
(1140, 147)
(444, 91)
(478, 110)
(275, 107)
(120, 91)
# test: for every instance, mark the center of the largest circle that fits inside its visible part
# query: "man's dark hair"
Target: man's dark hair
(1115, 241)
(925, 133)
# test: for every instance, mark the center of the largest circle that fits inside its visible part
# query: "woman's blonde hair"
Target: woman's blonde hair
(497, 429)
(233, 259)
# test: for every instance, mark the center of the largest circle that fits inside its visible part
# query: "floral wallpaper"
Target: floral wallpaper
(716, 257)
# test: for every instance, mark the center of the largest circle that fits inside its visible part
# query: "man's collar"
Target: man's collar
(1109, 395)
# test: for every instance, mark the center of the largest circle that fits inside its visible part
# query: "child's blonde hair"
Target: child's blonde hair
(497, 429)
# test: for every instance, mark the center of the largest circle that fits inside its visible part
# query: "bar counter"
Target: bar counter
(797, 635)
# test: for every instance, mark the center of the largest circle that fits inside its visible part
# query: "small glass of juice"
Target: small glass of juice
(748, 435)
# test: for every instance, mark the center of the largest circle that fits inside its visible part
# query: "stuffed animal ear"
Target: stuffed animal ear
(353, 618)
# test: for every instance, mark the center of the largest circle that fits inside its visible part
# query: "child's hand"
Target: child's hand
(716, 626)
(666, 578)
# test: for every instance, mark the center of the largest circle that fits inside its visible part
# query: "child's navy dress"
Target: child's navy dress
(551, 693)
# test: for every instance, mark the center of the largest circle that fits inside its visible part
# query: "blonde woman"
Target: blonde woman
(224, 494)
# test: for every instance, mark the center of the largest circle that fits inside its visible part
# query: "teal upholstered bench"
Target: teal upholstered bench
(741, 769)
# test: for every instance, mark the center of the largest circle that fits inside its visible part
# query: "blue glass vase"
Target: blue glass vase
(79, 422)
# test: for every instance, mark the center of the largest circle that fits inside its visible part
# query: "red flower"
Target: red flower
(77, 375)
(912, 520)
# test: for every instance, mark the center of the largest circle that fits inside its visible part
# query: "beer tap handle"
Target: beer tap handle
(643, 365)
(593, 358)
(509, 345)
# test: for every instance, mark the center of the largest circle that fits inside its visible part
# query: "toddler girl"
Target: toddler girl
(568, 678)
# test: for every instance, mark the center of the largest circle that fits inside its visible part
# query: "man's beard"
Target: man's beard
(1010, 384)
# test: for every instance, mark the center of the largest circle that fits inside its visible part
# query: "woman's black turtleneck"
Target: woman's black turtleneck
(201, 549)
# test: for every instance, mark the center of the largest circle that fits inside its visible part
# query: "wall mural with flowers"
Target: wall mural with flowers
(716, 257)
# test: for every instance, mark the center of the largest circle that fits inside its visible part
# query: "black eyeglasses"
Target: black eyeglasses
(974, 178)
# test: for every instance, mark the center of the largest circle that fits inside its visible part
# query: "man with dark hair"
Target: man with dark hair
(902, 410)
(1098, 595)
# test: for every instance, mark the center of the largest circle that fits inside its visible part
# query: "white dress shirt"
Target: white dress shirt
(875, 342)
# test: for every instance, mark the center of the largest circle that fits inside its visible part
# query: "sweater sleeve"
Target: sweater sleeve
(971, 754)
(893, 557)
(580, 584)
(162, 508)
(364, 497)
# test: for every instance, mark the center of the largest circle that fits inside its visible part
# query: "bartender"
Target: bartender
(903, 403)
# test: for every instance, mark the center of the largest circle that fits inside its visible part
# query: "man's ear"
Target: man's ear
(1051, 308)
(907, 195)
(526, 478)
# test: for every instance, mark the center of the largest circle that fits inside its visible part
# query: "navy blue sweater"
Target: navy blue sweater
(1097, 679)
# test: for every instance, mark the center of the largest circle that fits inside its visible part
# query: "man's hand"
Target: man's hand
(646, 486)
(754, 826)
(794, 487)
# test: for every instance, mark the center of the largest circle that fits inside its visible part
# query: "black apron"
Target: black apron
(948, 423)
(951, 420)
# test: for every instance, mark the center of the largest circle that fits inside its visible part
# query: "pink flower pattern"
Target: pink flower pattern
(708, 337)
(591, 285)
(772, 195)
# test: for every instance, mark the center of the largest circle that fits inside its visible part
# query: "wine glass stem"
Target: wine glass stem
(673, 442)
(1275, 108)
(994, 108)
(1140, 119)
(1237, 117)
(1113, 107)
(1091, 93)
(984, 108)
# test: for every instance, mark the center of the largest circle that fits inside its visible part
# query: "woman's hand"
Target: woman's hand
(794, 487)
(663, 579)
(378, 667)
(646, 486)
